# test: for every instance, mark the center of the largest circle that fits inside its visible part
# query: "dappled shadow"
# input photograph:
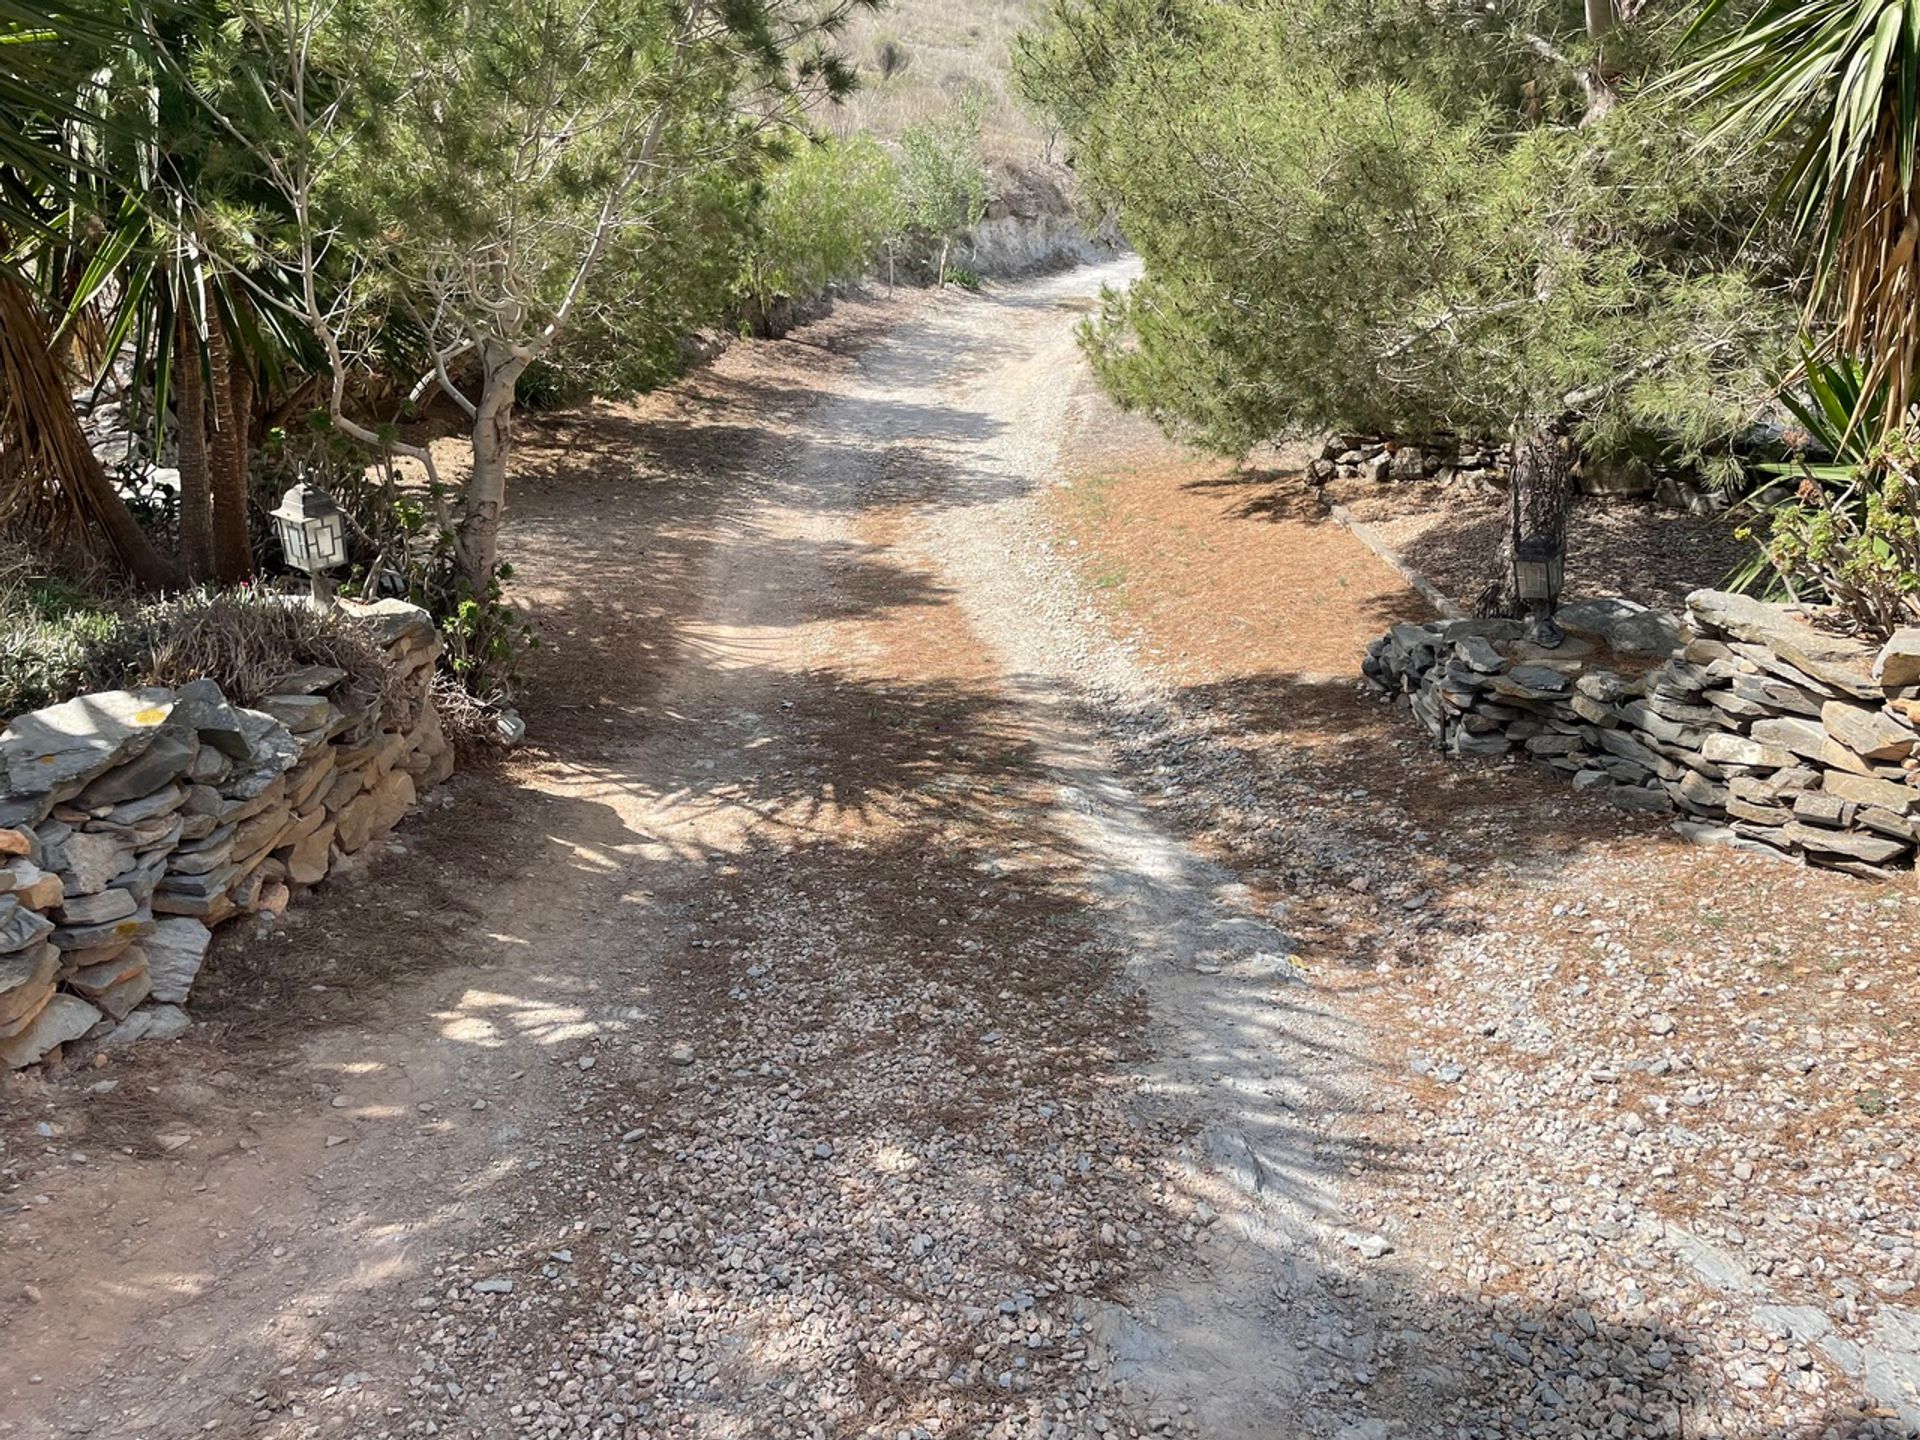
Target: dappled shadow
(968, 1037)
(1264, 494)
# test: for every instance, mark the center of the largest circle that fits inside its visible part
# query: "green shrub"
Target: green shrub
(1849, 534)
(47, 659)
(826, 213)
(1392, 216)
(1858, 546)
(943, 184)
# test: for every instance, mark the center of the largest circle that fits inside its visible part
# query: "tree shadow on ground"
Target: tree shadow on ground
(971, 980)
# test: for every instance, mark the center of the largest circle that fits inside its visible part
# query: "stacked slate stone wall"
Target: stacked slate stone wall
(132, 822)
(1746, 720)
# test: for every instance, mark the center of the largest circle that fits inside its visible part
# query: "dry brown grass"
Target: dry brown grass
(952, 51)
(249, 641)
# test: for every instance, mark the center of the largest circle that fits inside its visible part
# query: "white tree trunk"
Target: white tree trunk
(485, 500)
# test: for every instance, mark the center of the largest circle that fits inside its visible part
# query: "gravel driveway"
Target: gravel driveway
(816, 1034)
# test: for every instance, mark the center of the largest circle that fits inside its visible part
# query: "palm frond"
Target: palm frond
(1839, 80)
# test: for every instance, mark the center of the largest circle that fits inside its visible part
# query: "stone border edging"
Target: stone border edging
(1427, 590)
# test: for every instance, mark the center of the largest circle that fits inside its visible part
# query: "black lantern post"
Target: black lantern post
(313, 535)
(1539, 566)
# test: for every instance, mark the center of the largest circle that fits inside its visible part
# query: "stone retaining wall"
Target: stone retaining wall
(131, 822)
(1746, 721)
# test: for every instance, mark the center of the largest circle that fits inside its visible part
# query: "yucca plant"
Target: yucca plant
(1849, 534)
(1839, 82)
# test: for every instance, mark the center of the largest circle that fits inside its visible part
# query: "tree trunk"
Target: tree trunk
(1595, 80)
(48, 473)
(232, 397)
(1539, 494)
(486, 493)
(190, 442)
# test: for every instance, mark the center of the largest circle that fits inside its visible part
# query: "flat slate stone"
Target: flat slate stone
(1886, 822)
(153, 769)
(66, 745)
(148, 807)
(1898, 663)
(205, 882)
(1740, 750)
(91, 863)
(1621, 625)
(1627, 748)
(271, 752)
(1817, 807)
(200, 706)
(1776, 694)
(1596, 712)
(1807, 739)
(200, 862)
(1642, 798)
(1479, 655)
(1870, 734)
(175, 952)
(1839, 661)
(99, 907)
(23, 975)
(1697, 792)
(19, 926)
(392, 621)
(66, 1019)
(309, 680)
(33, 887)
(209, 767)
(1758, 814)
(1867, 790)
(1873, 849)
(87, 937)
(1539, 677)
(118, 1001)
(299, 713)
(92, 980)
(1778, 788)
(212, 908)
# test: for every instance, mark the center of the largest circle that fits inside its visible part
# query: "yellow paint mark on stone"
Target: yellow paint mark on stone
(149, 716)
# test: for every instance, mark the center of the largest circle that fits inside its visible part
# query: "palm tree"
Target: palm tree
(112, 208)
(1838, 81)
(49, 475)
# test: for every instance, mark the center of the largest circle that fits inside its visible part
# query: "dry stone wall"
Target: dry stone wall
(1744, 720)
(133, 822)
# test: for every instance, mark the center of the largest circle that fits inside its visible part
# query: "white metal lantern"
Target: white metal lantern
(313, 533)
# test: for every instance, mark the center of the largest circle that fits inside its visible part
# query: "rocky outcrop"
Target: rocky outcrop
(1031, 224)
(132, 822)
(1749, 722)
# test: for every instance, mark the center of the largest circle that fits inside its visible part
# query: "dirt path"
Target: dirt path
(766, 1053)
(887, 998)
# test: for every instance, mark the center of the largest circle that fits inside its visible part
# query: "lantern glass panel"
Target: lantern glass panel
(1530, 579)
(330, 541)
(293, 541)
